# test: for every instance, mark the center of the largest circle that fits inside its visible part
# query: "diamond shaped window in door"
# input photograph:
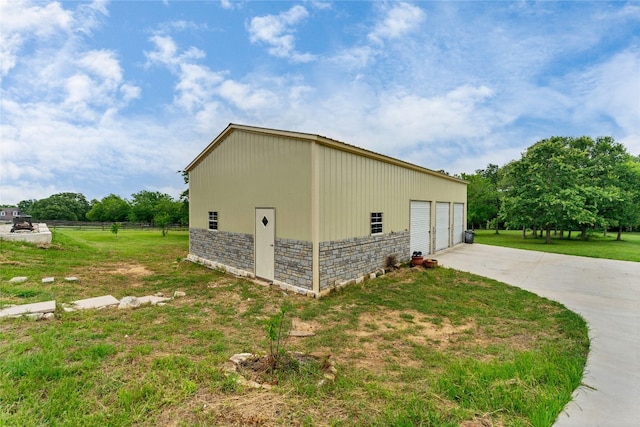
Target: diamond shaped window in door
(265, 221)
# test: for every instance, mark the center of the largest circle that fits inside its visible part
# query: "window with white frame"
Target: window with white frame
(213, 220)
(376, 222)
(2, 213)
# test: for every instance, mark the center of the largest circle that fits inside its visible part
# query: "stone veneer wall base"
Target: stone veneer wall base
(345, 262)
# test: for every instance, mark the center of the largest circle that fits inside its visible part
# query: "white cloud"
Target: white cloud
(399, 19)
(22, 20)
(277, 31)
(165, 52)
(103, 64)
(88, 17)
(246, 97)
(129, 92)
(413, 119)
(79, 91)
(180, 25)
(611, 90)
(355, 57)
(196, 86)
(321, 5)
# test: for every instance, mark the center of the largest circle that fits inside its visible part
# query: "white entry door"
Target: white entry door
(442, 226)
(458, 222)
(264, 244)
(420, 231)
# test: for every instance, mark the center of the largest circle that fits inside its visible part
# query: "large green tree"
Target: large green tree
(146, 205)
(62, 206)
(483, 197)
(25, 206)
(184, 200)
(570, 183)
(627, 209)
(610, 171)
(517, 204)
(545, 187)
(111, 208)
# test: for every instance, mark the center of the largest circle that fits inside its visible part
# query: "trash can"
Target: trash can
(468, 236)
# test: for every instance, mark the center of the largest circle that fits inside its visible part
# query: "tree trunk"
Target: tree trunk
(524, 231)
(619, 233)
(583, 235)
(561, 234)
(497, 225)
(548, 234)
(534, 231)
(569, 235)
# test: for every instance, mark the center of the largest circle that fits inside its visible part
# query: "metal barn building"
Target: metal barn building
(309, 213)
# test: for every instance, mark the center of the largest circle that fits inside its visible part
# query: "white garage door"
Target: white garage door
(442, 226)
(420, 231)
(458, 222)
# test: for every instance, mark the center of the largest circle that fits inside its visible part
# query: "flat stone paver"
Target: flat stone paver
(97, 302)
(18, 279)
(71, 279)
(48, 280)
(606, 293)
(25, 309)
(152, 299)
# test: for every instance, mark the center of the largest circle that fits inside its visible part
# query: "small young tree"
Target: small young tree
(277, 329)
(115, 227)
(162, 220)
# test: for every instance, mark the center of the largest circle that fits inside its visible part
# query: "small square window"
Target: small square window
(213, 220)
(376, 222)
(2, 213)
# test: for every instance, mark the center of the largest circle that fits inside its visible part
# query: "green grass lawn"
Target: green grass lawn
(432, 347)
(597, 245)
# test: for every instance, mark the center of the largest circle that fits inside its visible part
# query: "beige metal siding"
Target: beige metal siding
(249, 170)
(352, 186)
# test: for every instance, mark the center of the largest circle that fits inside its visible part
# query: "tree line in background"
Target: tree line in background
(151, 207)
(560, 183)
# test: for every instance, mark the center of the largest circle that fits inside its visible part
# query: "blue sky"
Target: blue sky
(116, 97)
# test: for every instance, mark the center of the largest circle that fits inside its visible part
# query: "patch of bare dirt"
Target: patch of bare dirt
(412, 326)
(481, 421)
(304, 326)
(222, 282)
(251, 409)
(5, 261)
(135, 270)
(387, 337)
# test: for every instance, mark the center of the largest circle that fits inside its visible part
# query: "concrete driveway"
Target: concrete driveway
(606, 293)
